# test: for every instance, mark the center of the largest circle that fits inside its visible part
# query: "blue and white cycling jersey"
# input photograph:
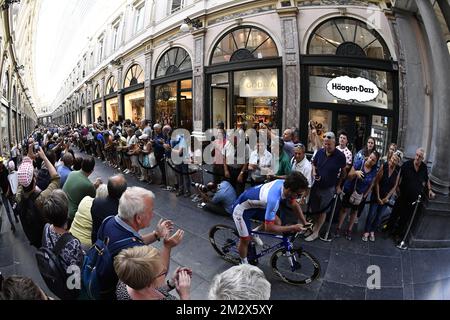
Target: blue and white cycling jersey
(257, 201)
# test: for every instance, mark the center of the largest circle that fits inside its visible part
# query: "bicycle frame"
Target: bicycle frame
(285, 243)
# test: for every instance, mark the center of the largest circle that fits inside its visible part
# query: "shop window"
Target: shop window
(4, 130)
(111, 86)
(348, 37)
(135, 75)
(382, 132)
(220, 87)
(135, 106)
(166, 104)
(112, 110)
(320, 76)
(173, 61)
(256, 93)
(98, 111)
(244, 44)
(322, 121)
(186, 104)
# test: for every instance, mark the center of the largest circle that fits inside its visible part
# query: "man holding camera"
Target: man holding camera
(223, 199)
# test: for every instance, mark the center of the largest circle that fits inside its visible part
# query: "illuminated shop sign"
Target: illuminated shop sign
(258, 84)
(353, 89)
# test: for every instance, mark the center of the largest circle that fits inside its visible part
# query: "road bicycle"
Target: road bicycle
(293, 265)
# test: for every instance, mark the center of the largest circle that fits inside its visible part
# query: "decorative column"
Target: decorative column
(198, 85)
(445, 8)
(149, 101)
(440, 172)
(91, 102)
(102, 86)
(291, 67)
(120, 90)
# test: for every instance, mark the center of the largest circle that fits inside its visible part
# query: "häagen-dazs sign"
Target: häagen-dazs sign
(353, 89)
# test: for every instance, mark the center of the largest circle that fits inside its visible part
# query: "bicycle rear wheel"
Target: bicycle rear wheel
(224, 240)
(296, 267)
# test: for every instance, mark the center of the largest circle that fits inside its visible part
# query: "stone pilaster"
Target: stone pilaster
(149, 103)
(198, 84)
(445, 8)
(102, 86)
(440, 172)
(120, 91)
(291, 67)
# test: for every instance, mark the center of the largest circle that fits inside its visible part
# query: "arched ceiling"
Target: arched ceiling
(62, 33)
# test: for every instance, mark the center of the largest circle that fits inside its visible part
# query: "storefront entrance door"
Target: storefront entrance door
(357, 128)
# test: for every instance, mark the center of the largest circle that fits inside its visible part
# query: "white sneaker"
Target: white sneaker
(258, 240)
(312, 237)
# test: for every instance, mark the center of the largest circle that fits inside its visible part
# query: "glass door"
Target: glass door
(357, 128)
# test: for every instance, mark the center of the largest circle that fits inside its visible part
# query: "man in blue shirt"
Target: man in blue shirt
(328, 171)
(135, 213)
(223, 199)
(65, 169)
(262, 203)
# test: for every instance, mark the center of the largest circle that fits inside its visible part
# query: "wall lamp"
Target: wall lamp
(5, 6)
(20, 70)
(196, 23)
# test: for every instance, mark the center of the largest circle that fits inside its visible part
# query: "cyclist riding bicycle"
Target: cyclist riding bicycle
(262, 203)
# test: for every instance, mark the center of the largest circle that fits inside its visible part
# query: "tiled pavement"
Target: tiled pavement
(411, 274)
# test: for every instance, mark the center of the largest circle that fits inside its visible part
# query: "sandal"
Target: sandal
(372, 238)
(348, 235)
(364, 238)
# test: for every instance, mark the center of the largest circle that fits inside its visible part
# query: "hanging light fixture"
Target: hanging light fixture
(5, 6)
(196, 23)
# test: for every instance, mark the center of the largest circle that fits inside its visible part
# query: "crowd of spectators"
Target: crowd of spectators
(54, 181)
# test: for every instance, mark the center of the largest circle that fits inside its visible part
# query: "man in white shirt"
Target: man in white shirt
(342, 147)
(301, 164)
(260, 163)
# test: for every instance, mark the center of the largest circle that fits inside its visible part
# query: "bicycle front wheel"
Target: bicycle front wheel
(224, 240)
(296, 267)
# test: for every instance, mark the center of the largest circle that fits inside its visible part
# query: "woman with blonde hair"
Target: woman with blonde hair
(142, 276)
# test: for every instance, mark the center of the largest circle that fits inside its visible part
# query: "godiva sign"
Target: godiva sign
(258, 84)
(353, 89)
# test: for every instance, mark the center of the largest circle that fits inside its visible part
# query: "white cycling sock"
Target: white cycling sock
(244, 261)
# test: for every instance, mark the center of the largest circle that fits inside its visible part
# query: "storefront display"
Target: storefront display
(173, 99)
(4, 130)
(98, 111)
(112, 110)
(245, 96)
(166, 104)
(13, 127)
(358, 95)
(135, 106)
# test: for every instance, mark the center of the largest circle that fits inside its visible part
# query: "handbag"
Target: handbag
(356, 198)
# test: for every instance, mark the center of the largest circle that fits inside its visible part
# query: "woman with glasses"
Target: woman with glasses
(142, 276)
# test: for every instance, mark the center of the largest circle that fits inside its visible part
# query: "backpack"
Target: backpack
(99, 264)
(52, 267)
(31, 219)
